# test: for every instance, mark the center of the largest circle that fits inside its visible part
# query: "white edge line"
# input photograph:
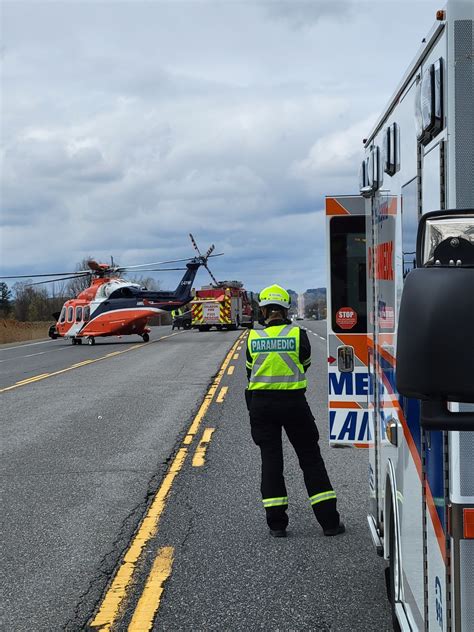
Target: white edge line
(29, 344)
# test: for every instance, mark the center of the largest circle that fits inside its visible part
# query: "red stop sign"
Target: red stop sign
(346, 317)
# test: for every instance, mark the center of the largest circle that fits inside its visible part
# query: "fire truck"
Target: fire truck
(226, 305)
(400, 329)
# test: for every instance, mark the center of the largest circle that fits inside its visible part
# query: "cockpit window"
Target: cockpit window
(87, 313)
(62, 317)
(78, 314)
(70, 314)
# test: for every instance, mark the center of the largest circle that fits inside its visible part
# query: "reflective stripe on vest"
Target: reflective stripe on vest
(268, 353)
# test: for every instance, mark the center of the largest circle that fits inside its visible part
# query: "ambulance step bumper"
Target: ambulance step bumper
(375, 536)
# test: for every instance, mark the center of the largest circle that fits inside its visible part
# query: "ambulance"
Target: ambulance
(401, 329)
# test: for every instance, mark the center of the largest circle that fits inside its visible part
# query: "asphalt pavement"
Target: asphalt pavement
(86, 453)
(227, 572)
(83, 449)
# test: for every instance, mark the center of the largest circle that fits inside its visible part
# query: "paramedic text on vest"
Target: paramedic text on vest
(277, 359)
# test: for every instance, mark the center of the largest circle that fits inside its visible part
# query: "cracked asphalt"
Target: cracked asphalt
(82, 452)
(228, 573)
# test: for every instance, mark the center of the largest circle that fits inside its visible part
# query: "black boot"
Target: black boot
(336, 531)
(278, 533)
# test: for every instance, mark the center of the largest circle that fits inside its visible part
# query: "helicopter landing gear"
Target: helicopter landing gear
(76, 341)
(90, 340)
(146, 337)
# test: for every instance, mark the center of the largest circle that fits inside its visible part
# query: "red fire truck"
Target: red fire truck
(224, 306)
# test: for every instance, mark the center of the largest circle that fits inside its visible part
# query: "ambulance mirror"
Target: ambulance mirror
(435, 344)
(446, 238)
(345, 359)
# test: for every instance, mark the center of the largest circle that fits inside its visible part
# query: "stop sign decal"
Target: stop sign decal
(346, 317)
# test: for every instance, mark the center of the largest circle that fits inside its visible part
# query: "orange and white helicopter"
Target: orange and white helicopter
(112, 306)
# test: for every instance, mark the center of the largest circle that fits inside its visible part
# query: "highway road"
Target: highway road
(132, 496)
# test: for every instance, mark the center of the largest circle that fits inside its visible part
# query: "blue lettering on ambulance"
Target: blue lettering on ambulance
(349, 427)
(350, 384)
(340, 384)
(362, 383)
(439, 602)
(350, 431)
(332, 416)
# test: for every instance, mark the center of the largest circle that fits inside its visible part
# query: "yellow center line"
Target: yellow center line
(116, 592)
(44, 376)
(222, 394)
(199, 457)
(208, 399)
(118, 589)
(149, 602)
(31, 379)
(230, 370)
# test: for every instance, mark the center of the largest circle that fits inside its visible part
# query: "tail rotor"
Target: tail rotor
(204, 258)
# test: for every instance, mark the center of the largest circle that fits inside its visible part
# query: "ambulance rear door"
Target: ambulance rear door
(348, 376)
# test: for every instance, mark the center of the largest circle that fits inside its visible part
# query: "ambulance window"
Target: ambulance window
(87, 313)
(348, 274)
(78, 314)
(62, 318)
(70, 314)
(409, 224)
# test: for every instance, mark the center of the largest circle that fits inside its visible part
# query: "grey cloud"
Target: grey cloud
(129, 125)
(307, 13)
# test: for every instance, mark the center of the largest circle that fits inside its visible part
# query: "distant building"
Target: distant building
(314, 293)
(294, 301)
(315, 303)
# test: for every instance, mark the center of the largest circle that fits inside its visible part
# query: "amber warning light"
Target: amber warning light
(440, 15)
(469, 523)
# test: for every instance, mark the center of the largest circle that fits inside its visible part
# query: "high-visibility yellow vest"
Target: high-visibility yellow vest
(275, 353)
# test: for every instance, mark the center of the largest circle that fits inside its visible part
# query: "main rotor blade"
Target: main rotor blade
(33, 276)
(76, 276)
(160, 269)
(152, 263)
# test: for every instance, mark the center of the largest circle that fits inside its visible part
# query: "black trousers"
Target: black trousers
(269, 413)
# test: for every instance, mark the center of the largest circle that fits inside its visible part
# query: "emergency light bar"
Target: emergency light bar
(371, 172)
(429, 102)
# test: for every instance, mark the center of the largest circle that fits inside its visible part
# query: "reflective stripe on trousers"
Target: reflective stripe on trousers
(319, 498)
(282, 501)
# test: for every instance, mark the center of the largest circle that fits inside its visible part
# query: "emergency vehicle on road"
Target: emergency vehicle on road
(223, 306)
(419, 158)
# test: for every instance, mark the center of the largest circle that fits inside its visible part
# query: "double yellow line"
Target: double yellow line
(44, 376)
(117, 592)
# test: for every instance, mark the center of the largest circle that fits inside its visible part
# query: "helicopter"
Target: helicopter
(112, 306)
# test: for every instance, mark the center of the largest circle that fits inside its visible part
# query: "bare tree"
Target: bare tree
(78, 285)
(31, 303)
(146, 282)
(59, 295)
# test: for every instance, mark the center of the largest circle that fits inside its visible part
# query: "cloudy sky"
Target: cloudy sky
(127, 125)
